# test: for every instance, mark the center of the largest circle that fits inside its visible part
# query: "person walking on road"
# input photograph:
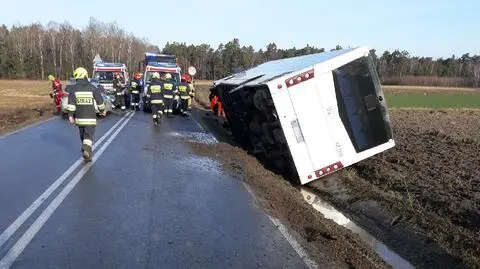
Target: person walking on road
(119, 87)
(81, 109)
(137, 86)
(155, 94)
(168, 94)
(183, 88)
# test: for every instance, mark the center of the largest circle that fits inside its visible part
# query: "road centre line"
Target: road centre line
(10, 231)
(30, 233)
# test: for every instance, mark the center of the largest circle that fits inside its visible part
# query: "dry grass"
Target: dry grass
(23, 94)
(23, 102)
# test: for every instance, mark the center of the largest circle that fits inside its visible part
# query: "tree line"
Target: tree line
(34, 51)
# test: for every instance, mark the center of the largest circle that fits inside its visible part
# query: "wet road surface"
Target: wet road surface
(146, 202)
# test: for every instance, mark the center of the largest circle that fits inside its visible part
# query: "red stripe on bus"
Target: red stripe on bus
(327, 170)
(300, 78)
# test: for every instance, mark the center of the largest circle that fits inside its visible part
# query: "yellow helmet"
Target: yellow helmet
(156, 75)
(51, 77)
(80, 73)
(168, 76)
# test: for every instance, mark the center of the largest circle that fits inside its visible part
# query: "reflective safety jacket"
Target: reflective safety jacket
(81, 103)
(183, 88)
(168, 88)
(136, 87)
(118, 86)
(155, 91)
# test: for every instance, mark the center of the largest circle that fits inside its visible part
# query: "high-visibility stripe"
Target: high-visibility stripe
(168, 96)
(123, 107)
(135, 92)
(87, 142)
(154, 116)
(168, 86)
(155, 88)
(71, 108)
(84, 94)
(85, 121)
(119, 93)
(157, 101)
(101, 106)
(185, 97)
(160, 112)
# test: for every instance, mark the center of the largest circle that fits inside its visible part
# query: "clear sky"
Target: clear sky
(437, 28)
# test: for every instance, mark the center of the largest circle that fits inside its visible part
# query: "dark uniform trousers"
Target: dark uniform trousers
(86, 133)
(155, 94)
(184, 97)
(168, 98)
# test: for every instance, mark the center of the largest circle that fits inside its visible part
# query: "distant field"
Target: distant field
(23, 102)
(431, 97)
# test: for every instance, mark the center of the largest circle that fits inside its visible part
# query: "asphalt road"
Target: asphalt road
(145, 202)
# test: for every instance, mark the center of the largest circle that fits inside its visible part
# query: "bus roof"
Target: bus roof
(277, 68)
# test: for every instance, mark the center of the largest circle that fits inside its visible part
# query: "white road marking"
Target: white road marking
(291, 240)
(329, 212)
(203, 129)
(26, 127)
(20, 245)
(5, 236)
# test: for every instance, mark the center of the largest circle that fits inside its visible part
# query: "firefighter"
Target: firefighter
(135, 91)
(56, 93)
(191, 90)
(81, 109)
(168, 94)
(155, 94)
(118, 87)
(184, 90)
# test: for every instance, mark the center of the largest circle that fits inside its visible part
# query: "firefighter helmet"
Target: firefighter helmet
(187, 78)
(80, 73)
(168, 76)
(156, 75)
(51, 77)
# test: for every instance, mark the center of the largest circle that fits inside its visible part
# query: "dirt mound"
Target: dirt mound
(329, 244)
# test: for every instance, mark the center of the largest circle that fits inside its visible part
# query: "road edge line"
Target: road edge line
(30, 233)
(27, 127)
(203, 128)
(15, 225)
(311, 264)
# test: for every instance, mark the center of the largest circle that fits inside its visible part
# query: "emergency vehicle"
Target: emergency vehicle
(150, 57)
(104, 73)
(309, 116)
(161, 68)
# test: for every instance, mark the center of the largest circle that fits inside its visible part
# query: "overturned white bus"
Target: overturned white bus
(309, 116)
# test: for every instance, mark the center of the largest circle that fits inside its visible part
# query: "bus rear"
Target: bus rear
(333, 114)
